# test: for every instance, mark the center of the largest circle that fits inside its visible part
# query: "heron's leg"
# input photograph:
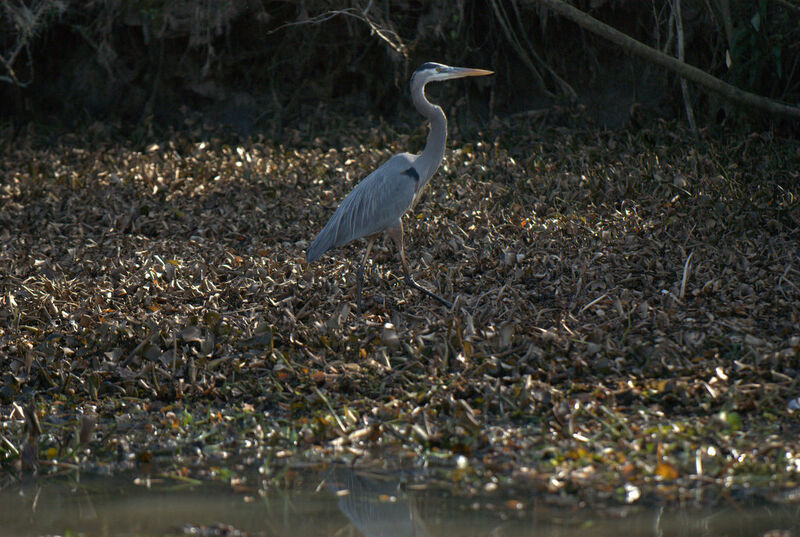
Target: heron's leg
(397, 235)
(360, 274)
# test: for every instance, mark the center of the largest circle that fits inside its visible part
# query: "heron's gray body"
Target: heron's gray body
(375, 204)
(380, 200)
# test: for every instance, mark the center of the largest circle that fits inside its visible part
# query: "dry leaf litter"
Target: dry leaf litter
(625, 328)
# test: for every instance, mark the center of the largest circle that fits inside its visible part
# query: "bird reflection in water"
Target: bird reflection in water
(377, 505)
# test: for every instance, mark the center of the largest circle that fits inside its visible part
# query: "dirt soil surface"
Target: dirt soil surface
(626, 326)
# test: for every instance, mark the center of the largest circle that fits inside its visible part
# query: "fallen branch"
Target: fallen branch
(682, 69)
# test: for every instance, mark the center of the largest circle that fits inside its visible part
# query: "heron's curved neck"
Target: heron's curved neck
(429, 160)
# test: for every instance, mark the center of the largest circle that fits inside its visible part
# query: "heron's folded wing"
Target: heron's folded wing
(373, 205)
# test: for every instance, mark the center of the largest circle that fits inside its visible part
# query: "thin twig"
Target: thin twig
(502, 18)
(592, 303)
(565, 87)
(687, 101)
(26, 20)
(389, 36)
(330, 407)
(686, 270)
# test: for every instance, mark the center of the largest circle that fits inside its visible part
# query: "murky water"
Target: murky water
(345, 503)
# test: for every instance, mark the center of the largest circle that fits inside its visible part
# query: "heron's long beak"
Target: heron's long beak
(459, 72)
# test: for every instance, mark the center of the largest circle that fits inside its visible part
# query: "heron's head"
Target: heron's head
(433, 72)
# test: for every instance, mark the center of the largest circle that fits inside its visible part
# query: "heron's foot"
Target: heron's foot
(418, 287)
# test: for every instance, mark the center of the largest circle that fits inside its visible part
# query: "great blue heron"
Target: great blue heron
(380, 200)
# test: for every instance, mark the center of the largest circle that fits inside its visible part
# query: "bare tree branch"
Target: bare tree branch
(389, 36)
(687, 99)
(682, 69)
(523, 55)
(24, 20)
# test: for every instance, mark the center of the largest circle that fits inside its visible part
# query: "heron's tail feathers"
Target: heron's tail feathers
(321, 244)
(313, 253)
(337, 232)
